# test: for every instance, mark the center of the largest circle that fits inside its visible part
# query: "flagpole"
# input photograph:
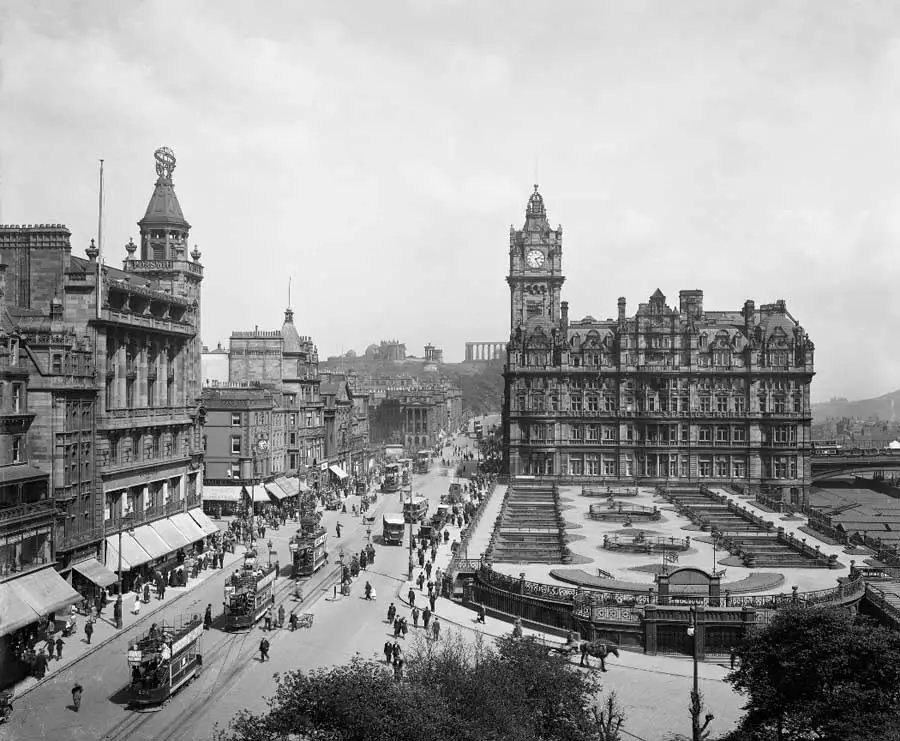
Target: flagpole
(100, 245)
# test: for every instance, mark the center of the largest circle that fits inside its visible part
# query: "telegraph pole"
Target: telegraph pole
(411, 526)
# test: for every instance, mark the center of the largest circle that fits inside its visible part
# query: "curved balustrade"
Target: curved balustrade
(619, 511)
(608, 491)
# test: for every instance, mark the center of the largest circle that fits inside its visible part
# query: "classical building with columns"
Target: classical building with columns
(666, 395)
(485, 351)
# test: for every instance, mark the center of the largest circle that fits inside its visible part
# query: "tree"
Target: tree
(455, 688)
(818, 673)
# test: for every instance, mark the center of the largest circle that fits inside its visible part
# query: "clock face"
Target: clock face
(535, 258)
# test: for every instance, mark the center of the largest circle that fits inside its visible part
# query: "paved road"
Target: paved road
(232, 677)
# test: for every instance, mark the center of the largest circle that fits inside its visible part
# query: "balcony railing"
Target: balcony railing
(17, 513)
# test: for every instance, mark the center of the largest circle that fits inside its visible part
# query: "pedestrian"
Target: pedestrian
(50, 646)
(281, 616)
(388, 652)
(391, 612)
(432, 598)
(262, 531)
(517, 628)
(421, 558)
(398, 669)
(136, 609)
(88, 630)
(395, 650)
(363, 559)
(370, 549)
(481, 614)
(426, 618)
(59, 648)
(40, 664)
(433, 552)
(264, 649)
(428, 568)
(269, 617)
(404, 628)
(292, 621)
(76, 696)
(436, 629)
(411, 597)
(103, 600)
(420, 580)
(396, 627)
(117, 609)
(415, 617)
(430, 586)
(368, 590)
(207, 618)
(162, 589)
(338, 528)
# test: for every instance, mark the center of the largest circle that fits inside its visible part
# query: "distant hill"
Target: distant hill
(886, 408)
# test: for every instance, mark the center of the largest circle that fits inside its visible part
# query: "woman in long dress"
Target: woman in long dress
(136, 610)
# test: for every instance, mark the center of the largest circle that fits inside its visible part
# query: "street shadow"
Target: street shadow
(119, 697)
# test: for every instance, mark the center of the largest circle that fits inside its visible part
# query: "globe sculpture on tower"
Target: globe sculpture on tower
(165, 162)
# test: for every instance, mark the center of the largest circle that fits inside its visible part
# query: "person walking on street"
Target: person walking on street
(292, 621)
(269, 617)
(50, 646)
(338, 529)
(391, 613)
(415, 617)
(88, 630)
(388, 652)
(411, 596)
(426, 618)
(264, 649)
(396, 628)
(517, 628)
(207, 618)
(436, 629)
(395, 650)
(281, 616)
(428, 568)
(363, 559)
(403, 627)
(481, 615)
(76, 696)
(432, 598)
(59, 648)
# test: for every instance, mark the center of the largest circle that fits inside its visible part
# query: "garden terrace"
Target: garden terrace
(530, 526)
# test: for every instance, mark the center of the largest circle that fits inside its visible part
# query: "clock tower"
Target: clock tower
(535, 270)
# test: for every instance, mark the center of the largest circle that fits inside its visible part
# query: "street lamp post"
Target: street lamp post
(127, 516)
(411, 526)
(696, 702)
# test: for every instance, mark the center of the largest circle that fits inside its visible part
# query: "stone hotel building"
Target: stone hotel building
(666, 396)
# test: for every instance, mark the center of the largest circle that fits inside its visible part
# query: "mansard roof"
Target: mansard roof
(292, 341)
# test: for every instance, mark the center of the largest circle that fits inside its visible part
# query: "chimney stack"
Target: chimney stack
(749, 314)
(621, 308)
(690, 303)
(564, 314)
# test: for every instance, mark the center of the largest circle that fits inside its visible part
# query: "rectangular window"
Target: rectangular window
(576, 465)
(17, 404)
(721, 466)
(721, 404)
(235, 419)
(554, 403)
(576, 402)
(684, 467)
(798, 403)
(293, 440)
(705, 404)
(721, 435)
(593, 432)
(762, 403)
(705, 434)
(236, 445)
(235, 470)
(738, 468)
(576, 432)
(609, 465)
(533, 308)
(705, 466)
(609, 433)
(17, 450)
(737, 434)
(593, 403)
(739, 404)
(592, 465)
(780, 405)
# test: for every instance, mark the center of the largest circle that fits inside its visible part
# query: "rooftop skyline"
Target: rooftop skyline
(378, 154)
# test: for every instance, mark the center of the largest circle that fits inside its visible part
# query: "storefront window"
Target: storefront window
(23, 551)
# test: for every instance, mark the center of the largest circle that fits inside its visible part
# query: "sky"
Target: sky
(377, 153)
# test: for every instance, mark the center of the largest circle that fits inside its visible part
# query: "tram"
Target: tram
(416, 510)
(308, 550)
(163, 660)
(423, 461)
(391, 481)
(248, 593)
(405, 470)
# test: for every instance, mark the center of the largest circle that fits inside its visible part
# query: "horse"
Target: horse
(599, 650)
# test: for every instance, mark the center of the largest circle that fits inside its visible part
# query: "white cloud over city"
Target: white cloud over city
(378, 152)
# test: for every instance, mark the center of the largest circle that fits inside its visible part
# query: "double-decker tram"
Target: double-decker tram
(248, 593)
(163, 659)
(391, 481)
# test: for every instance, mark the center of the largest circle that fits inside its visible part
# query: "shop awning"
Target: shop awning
(190, 529)
(302, 486)
(132, 553)
(206, 525)
(171, 534)
(96, 572)
(15, 613)
(221, 494)
(290, 485)
(149, 540)
(260, 494)
(46, 591)
(338, 471)
(275, 491)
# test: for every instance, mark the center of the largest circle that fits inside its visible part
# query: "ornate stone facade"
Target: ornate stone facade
(667, 395)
